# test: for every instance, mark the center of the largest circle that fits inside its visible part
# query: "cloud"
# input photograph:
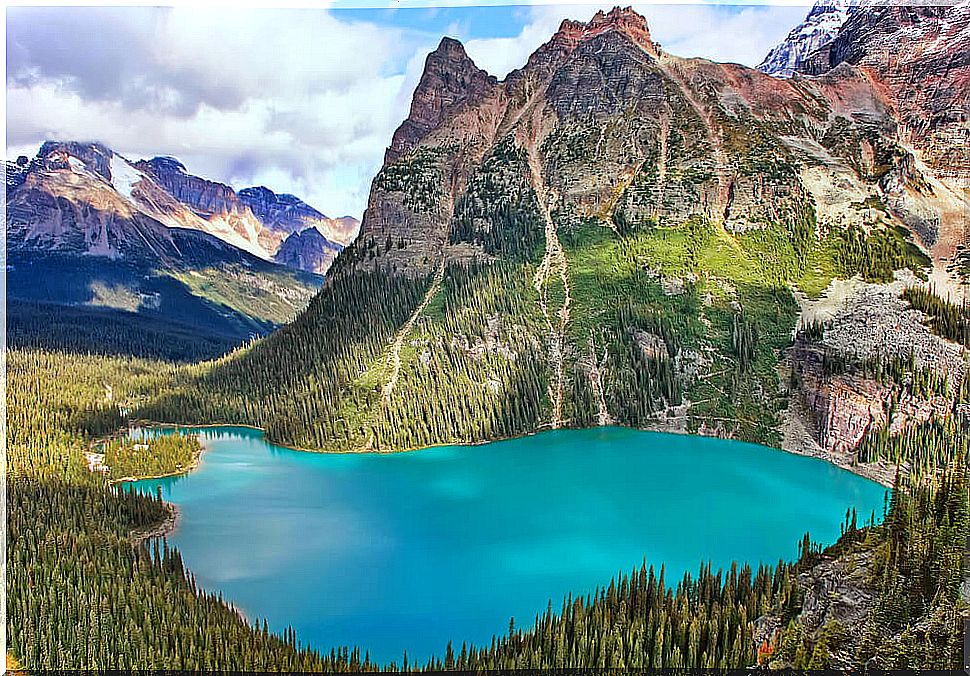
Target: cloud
(299, 97)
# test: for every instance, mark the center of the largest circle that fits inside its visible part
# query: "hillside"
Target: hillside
(86, 230)
(614, 234)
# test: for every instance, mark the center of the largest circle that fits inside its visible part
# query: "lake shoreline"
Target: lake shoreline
(553, 512)
(800, 445)
(192, 466)
(163, 528)
(881, 473)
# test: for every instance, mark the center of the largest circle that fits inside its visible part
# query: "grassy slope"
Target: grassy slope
(221, 305)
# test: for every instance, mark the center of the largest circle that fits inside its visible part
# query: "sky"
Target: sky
(302, 100)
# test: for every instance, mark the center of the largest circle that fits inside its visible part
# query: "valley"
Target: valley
(89, 231)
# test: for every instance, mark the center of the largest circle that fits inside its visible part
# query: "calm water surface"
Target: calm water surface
(407, 551)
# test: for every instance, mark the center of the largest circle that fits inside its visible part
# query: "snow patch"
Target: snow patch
(124, 177)
(76, 165)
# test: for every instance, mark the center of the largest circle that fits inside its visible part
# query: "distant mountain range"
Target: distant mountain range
(89, 228)
(256, 219)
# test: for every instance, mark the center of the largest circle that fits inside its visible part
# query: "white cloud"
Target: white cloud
(297, 100)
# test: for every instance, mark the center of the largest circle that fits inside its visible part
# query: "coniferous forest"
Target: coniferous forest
(68, 525)
(87, 587)
(472, 366)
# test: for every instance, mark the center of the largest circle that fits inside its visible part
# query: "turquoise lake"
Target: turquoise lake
(406, 551)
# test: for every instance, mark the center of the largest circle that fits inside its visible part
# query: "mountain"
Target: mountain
(616, 234)
(819, 28)
(211, 207)
(89, 229)
(308, 250)
(289, 214)
(255, 219)
(929, 92)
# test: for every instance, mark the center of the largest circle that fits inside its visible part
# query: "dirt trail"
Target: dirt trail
(724, 181)
(394, 358)
(662, 140)
(553, 263)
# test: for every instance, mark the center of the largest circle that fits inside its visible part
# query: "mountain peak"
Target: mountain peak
(626, 17)
(167, 163)
(258, 192)
(450, 47)
(623, 19)
(820, 27)
(449, 80)
(94, 156)
(74, 148)
(572, 33)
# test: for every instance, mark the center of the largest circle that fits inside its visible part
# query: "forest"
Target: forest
(121, 602)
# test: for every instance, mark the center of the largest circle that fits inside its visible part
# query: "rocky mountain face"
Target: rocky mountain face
(70, 199)
(255, 219)
(929, 91)
(604, 137)
(819, 28)
(925, 177)
(449, 81)
(872, 324)
(308, 250)
(215, 206)
(618, 128)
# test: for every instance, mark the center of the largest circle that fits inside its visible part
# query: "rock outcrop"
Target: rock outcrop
(450, 80)
(835, 592)
(845, 403)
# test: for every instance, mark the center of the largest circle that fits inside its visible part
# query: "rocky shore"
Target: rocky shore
(163, 528)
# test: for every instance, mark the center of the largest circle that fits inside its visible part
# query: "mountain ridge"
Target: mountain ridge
(88, 229)
(162, 189)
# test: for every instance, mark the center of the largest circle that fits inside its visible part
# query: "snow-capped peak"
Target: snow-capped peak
(819, 28)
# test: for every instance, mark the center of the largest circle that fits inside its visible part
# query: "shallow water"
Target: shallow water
(407, 551)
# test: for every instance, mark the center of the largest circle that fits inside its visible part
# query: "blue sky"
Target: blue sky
(301, 100)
